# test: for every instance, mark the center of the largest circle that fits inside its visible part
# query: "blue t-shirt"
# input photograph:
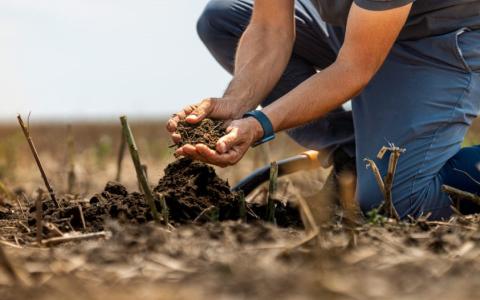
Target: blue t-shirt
(427, 18)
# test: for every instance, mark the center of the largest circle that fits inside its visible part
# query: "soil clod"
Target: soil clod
(190, 187)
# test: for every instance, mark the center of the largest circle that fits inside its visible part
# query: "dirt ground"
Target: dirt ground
(129, 256)
(234, 260)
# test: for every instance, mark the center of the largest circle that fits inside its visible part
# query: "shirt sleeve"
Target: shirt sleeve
(381, 4)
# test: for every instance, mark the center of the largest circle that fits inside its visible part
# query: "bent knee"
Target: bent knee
(214, 12)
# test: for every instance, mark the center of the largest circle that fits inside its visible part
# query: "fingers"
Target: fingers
(211, 156)
(226, 142)
(203, 153)
(172, 123)
(201, 111)
(176, 138)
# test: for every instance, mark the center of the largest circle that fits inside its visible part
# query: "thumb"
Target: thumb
(201, 111)
(226, 142)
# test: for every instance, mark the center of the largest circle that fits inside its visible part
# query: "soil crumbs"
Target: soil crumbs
(206, 132)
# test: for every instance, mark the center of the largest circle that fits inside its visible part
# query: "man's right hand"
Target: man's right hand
(215, 108)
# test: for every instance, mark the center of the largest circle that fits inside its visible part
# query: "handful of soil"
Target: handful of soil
(206, 132)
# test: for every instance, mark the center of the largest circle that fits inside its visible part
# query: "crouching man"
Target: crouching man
(411, 68)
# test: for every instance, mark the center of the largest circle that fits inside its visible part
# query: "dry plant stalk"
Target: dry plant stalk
(386, 184)
(242, 211)
(461, 195)
(138, 166)
(82, 218)
(121, 154)
(211, 209)
(71, 177)
(145, 173)
(395, 153)
(75, 238)
(272, 189)
(53, 229)
(165, 212)
(26, 132)
(347, 185)
(376, 172)
(38, 215)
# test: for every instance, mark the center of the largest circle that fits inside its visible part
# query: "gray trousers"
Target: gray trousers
(423, 99)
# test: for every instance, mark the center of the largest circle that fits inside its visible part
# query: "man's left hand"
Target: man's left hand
(241, 134)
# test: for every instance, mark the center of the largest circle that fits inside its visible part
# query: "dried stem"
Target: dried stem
(121, 154)
(468, 175)
(386, 184)
(75, 238)
(82, 218)
(347, 185)
(461, 195)
(205, 212)
(145, 173)
(38, 215)
(373, 166)
(163, 204)
(138, 166)
(272, 189)
(392, 167)
(52, 228)
(242, 211)
(26, 132)
(71, 177)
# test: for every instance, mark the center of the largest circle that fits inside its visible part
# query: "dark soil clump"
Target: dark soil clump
(114, 202)
(191, 187)
(193, 193)
(206, 132)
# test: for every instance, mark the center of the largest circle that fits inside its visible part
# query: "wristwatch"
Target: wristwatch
(268, 133)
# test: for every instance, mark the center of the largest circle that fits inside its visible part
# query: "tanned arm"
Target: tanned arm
(261, 58)
(368, 40)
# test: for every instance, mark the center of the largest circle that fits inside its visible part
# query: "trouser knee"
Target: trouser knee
(209, 24)
(220, 27)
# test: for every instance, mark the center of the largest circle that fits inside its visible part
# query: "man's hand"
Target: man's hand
(241, 134)
(215, 108)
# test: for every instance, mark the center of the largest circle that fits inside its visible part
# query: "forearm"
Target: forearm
(364, 50)
(262, 56)
(316, 96)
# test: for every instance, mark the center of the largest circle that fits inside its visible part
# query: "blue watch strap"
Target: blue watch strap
(268, 133)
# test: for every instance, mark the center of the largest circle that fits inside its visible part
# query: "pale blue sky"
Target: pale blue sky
(91, 59)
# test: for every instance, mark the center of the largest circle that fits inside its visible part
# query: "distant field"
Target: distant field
(95, 152)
